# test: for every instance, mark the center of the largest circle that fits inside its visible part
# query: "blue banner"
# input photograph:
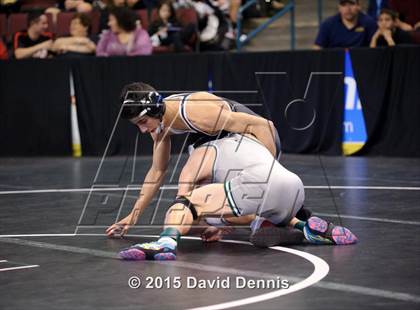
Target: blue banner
(354, 128)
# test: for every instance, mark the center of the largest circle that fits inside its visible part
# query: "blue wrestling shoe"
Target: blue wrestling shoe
(319, 231)
(156, 250)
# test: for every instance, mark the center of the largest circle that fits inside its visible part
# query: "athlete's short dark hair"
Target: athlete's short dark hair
(137, 91)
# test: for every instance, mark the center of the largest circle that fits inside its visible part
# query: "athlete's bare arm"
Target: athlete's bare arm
(198, 169)
(151, 184)
(209, 113)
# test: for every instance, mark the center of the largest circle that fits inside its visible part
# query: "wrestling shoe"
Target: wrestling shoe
(149, 251)
(319, 231)
(268, 235)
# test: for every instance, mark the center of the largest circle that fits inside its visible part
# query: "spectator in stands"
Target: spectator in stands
(167, 31)
(79, 6)
(388, 34)
(231, 7)
(229, 10)
(123, 38)
(109, 5)
(212, 25)
(78, 44)
(3, 51)
(408, 13)
(375, 7)
(349, 28)
(35, 42)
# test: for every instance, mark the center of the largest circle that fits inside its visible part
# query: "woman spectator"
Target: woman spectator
(107, 6)
(123, 38)
(167, 31)
(388, 33)
(78, 44)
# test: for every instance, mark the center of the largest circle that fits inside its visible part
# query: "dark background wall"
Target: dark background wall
(34, 108)
(35, 98)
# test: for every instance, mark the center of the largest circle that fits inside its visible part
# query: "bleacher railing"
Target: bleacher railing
(242, 39)
(320, 10)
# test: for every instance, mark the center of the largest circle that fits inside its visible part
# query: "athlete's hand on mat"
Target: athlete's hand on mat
(120, 228)
(213, 234)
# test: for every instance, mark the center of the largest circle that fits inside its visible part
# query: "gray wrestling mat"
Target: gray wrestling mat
(54, 254)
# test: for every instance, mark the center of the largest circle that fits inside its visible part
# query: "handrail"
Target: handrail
(242, 39)
(320, 11)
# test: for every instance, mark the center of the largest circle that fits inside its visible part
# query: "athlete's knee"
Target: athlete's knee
(184, 205)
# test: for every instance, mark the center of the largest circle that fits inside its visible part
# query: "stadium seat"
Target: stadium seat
(17, 22)
(153, 15)
(95, 16)
(51, 26)
(63, 23)
(415, 36)
(3, 25)
(187, 16)
(144, 18)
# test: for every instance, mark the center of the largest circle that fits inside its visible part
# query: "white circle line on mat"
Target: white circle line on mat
(321, 269)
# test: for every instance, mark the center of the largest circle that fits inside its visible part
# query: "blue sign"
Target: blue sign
(354, 129)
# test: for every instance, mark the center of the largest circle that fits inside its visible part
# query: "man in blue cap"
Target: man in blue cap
(349, 28)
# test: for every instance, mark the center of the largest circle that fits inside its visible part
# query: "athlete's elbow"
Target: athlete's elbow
(159, 172)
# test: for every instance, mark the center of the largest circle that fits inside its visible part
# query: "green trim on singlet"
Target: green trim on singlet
(230, 199)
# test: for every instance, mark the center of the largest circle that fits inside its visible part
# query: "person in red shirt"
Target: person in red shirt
(3, 51)
(35, 42)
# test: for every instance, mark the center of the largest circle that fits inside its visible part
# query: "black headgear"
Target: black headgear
(137, 104)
